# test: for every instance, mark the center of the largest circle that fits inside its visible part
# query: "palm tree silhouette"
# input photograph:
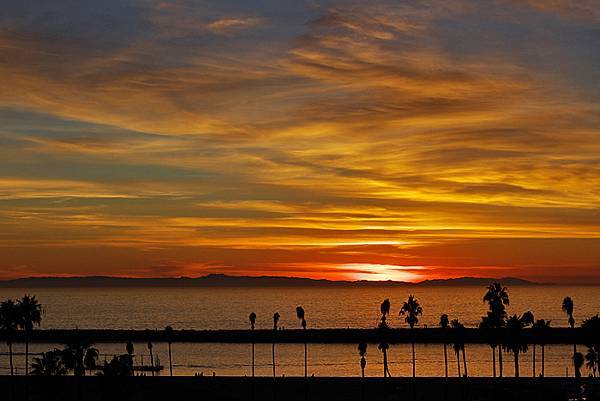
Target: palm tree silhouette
(169, 336)
(129, 348)
(76, 352)
(252, 318)
(30, 314)
(534, 344)
(276, 317)
(496, 293)
(459, 344)
(412, 310)
(49, 364)
(383, 327)
(73, 358)
(529, 320)
(591, 328)
(456, 346)
(567, 307)
(300, 315)
(150, 347)
(497, 298)
(578, 363)
(591, 358)
(9, 323)
(515, 339)
(362, 351)
(444, 324)
(90, 359)
(540, 330)
(117, 367)
(486, 326)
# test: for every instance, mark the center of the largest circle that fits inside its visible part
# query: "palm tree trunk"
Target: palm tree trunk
(273, 352)
(574, 352)
(10, 356)
(152, 362)
(362, 386)
(414, 368)
(516, 364)
(305, 360)
(494, 361)
(385, 369)
(597, 359)
(500, 367)
(170, 361)
(252, 359)
(274, 374)
(458, 363)
(26, 365)
(465, 361)
(543, 358)
(26, 355)
(533, 366)
(445, 360)
(12, 381)
(305, 371)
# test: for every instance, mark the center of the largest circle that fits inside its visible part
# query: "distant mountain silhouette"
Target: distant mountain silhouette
(477, 281)
(223, 280)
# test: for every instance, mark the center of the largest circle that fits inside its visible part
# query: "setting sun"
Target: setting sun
(368, 271)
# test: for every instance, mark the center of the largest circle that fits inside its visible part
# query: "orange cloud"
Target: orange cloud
(228, 25)
(339, 141)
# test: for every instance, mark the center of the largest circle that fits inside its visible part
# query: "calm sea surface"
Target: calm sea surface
(203, 308)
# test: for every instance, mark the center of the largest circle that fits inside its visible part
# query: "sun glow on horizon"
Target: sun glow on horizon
(379, 272)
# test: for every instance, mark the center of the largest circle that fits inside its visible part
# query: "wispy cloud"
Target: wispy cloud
(189, 136)
(229, 25)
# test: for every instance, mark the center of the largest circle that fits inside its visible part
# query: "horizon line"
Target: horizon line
(449, 280)
(263, 276)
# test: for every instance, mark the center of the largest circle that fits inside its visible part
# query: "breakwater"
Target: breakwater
(340, 336)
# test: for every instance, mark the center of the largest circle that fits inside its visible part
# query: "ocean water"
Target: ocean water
(228, 308)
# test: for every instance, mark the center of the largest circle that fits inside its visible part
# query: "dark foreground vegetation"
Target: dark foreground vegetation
(92, 388)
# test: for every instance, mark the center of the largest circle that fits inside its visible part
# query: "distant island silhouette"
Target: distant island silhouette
(224, 280)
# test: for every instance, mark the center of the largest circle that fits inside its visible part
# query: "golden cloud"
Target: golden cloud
(368, 138)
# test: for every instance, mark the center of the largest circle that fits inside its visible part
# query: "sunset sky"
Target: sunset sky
(334, 139)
